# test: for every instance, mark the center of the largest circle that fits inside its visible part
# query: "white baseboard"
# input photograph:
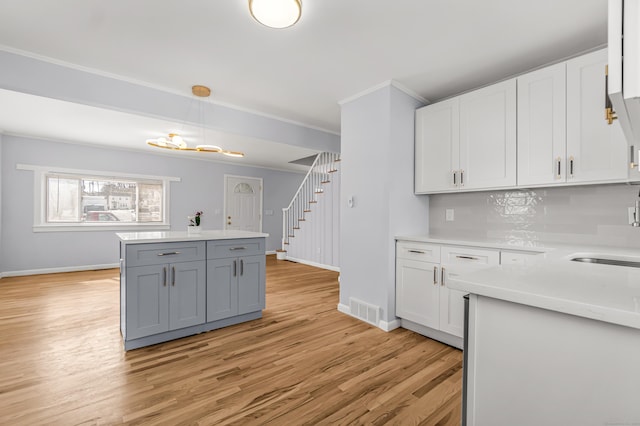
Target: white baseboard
(391, 325)
(270, 252)
(58, 270)
(383, 325)
(317, 265)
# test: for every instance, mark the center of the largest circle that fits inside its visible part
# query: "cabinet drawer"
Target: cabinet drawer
(424, 252)
(235, 248)
(469, 256)
(519, 257)
(158, 253)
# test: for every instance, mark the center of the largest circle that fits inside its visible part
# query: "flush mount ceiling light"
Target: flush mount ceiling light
(276, 13)
(175, 142)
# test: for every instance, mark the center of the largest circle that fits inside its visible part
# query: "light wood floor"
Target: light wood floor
(62, 362)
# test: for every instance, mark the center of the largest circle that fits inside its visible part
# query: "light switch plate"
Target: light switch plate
(449, 215)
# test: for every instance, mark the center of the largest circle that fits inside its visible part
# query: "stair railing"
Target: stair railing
(307, 194)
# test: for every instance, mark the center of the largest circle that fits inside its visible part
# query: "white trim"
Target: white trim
(58, 270)
(270, 252)
(382, 85)
(52, 169)
(224, 205)
(101, 73)
(83, 227)
(39, 195)
(382, 325)
(388, 326)
(317, 265)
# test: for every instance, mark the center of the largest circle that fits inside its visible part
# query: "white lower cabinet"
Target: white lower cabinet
(422, 295)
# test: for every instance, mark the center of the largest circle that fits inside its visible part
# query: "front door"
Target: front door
(243, 203)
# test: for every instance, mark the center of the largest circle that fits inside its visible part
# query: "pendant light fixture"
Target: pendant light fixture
(175, 142)
(276, 13)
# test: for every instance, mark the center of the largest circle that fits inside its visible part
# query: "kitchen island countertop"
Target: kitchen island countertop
(174, 236)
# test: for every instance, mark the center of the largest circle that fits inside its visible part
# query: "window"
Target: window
(81, 200)
(90, 199)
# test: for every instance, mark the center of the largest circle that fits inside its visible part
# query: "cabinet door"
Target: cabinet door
(222, 288)
(187, 292)
(417, 292)
(596, 150)
(437, 146)
(147, 301)
(456, 261)
(251, 284)
(542, 126)
(488, 137)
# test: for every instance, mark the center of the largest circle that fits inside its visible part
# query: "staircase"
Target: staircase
(308, 196)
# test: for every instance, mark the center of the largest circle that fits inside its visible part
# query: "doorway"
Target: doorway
(243, 203)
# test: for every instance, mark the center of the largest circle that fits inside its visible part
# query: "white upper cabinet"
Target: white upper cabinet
(554, 132)
(488, 137)
(542, 126)
(437, 146)
(596, 150)
(468, 141)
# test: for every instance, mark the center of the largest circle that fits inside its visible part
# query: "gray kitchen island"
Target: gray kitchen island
(174, 285)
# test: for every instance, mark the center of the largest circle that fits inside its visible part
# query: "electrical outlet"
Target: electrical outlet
(449, 215)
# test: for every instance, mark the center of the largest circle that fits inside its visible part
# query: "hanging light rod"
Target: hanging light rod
(175, 142)
(276, 13)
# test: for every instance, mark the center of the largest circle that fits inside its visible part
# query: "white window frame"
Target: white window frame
(40, 223)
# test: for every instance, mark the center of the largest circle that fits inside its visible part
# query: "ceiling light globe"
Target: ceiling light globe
(276, 13)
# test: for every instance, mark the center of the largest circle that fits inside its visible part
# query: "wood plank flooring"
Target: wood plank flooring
(303, 363)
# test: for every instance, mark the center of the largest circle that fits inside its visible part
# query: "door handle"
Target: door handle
(173, 276)
(237, 248)
(241, 267)
(571, 166)
(235, 267)
(558, 165)
(435, 275)
(164, 276)
(442, 272)
(169, 253)
(461, 177)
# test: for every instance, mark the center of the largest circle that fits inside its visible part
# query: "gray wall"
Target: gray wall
(201, 188)
(595, 214)
(377, 154)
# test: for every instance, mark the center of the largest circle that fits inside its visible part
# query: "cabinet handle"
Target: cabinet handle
(632, 162)
(169, 253)
(241, 267)
(237, 248)
(609, 113)
(164, 276)
(461, 177)
(442, 276)
(435, 275)
(173, 276)
(558, 165)
(467, 257)
(455, 173)
(571, 166)
(415, 251)
(235, 267)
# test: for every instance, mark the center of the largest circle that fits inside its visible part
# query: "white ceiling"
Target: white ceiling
(338, 48)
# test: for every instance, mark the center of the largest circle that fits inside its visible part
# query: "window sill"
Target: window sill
(75, 227)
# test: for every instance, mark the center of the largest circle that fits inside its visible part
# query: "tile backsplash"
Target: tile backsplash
(590, 214)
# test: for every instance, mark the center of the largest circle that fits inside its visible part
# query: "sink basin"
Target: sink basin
(607, 261)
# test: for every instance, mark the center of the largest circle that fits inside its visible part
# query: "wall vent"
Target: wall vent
(364, 311)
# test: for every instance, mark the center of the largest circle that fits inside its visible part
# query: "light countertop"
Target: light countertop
(176, 236)
(555, 282)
